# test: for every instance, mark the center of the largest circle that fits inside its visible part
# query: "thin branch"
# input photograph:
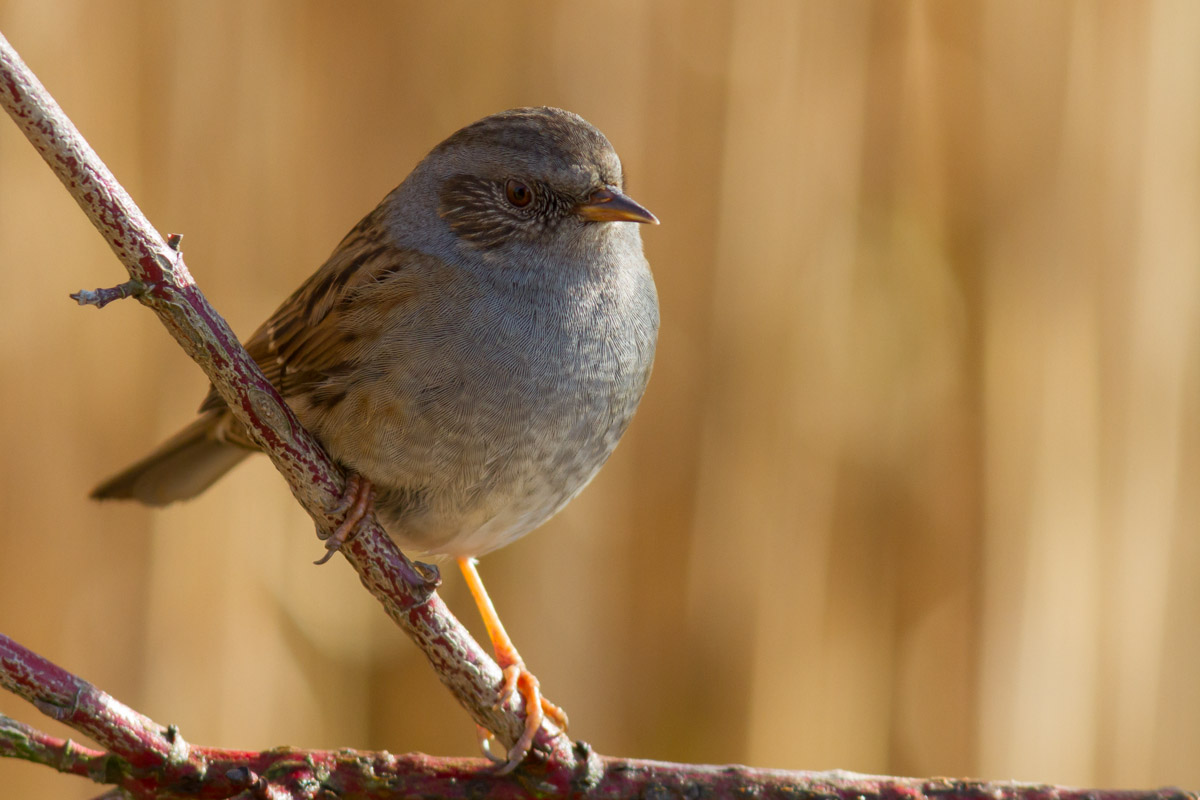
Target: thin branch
(102, 297)
(18, 740)
(171, 769)
(72, 701)
(405, 590)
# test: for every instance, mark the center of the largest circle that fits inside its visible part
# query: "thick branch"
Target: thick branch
(168, 289)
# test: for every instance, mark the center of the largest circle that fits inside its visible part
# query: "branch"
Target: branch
(158, 763)
(161, 281)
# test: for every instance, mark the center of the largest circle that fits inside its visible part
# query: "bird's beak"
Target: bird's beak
(609, 205)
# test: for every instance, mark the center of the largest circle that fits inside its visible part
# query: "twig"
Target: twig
(405, 591)
(102, 297)
(18, 740)
(58, 694)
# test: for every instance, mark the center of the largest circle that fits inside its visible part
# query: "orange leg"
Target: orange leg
(516, 677)
(356, 502)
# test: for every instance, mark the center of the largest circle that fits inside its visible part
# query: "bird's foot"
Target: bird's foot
(428, 575)
(356, 504)
(519, 680)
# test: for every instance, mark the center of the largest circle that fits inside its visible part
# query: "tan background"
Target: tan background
(914, 486)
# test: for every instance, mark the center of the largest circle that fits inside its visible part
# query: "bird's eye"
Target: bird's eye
(518, 193)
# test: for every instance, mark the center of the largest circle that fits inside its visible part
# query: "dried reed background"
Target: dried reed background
(913, 489)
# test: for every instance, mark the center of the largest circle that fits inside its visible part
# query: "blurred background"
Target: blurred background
(913, 490)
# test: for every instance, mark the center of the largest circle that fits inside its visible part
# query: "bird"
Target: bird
(470, 353)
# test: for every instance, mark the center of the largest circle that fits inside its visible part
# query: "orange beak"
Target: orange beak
(609, 205)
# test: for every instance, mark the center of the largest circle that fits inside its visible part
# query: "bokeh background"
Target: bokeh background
(913, 490)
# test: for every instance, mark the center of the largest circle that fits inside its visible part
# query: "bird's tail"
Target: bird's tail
(182, 467)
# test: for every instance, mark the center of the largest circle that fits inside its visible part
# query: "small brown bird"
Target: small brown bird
(471, 352)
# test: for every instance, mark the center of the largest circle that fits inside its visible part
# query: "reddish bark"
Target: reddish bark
(149, 760)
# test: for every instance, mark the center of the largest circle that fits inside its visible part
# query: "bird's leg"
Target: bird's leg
(356, 503)
(516, 677)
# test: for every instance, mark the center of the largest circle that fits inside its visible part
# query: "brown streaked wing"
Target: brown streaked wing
(302, 342)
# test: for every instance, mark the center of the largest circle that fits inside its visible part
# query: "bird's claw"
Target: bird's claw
(518, 679)
(485, 745)
(356, 503)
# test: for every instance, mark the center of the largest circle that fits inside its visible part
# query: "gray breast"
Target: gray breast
(510, 408)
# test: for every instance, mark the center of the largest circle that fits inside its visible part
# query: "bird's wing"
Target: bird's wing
(305, 341)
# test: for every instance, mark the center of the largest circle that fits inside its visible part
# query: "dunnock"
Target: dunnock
(471, 352)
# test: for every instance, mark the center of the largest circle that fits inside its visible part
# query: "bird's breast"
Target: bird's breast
(496, 410)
